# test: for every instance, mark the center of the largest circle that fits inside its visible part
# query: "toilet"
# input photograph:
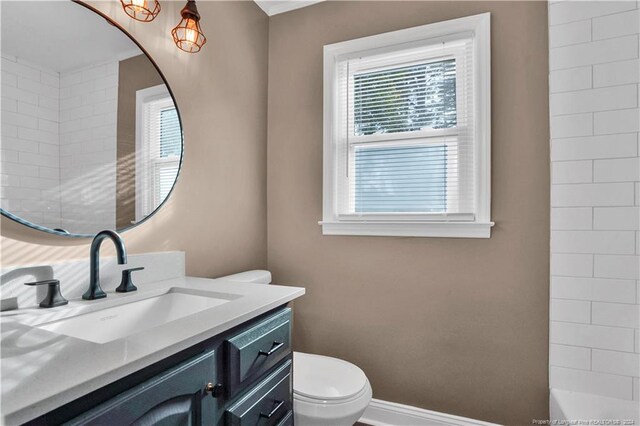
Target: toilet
(326, 391)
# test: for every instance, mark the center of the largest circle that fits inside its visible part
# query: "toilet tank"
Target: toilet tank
(257, 276)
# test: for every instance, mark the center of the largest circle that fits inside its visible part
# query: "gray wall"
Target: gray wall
(454, 325)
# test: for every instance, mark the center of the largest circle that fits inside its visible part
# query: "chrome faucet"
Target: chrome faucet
(94, 291)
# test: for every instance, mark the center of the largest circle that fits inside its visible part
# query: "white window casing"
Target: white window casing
(155, 172)
(453, 153)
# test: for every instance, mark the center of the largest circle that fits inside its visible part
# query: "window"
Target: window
(158, 148)
(407, 132)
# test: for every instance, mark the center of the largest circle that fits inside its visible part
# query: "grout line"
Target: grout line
(558, 92)
(587, 159)
(596, 183)
(601, 325)
(594, 231)
(588, 136)
(613, 109)
(622, 59)
(592, 159)
(591, 17)
(587, 89)
(591, 368)
(594, 40)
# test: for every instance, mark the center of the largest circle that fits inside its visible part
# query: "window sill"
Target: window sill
(409, 229)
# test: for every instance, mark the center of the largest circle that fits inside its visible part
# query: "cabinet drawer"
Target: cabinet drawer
(174, 397)
(287, 420)
(257, 349)
(268, 403)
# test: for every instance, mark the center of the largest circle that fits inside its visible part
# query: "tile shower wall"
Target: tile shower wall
(88, 110)
(58, 133)
(30, 168)
(595, 197)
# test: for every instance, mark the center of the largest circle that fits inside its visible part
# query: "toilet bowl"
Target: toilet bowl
(326, 391)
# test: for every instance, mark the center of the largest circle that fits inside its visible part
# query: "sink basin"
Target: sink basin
(130, 318)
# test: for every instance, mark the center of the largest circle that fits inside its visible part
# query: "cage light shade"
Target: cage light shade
(188, 35)
(141, 10)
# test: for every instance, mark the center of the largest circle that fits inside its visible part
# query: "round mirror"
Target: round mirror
(91, 134)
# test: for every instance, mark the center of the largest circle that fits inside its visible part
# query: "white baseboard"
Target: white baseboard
(384, 413)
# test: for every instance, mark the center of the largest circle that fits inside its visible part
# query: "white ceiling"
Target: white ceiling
(61, 35)
(273, 7)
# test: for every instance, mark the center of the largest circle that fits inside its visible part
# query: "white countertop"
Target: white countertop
(42, 370)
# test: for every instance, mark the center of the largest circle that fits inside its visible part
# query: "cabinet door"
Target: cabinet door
(175, 397)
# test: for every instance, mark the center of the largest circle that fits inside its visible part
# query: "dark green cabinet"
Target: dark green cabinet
(177, 397)
(241, 377)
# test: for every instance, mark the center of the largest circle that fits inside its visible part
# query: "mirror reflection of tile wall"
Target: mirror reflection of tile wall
(88, 109)
(30, 141)
(58, 135)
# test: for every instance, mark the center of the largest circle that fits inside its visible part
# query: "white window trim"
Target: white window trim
(144, 187)
(334, 223)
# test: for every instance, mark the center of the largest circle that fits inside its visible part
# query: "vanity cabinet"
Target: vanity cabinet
(176, 397)
(241, 377)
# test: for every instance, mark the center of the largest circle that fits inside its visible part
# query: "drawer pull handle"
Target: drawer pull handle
(272, 412)
(276, 346)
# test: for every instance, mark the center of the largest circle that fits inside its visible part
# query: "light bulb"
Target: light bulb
(139, 5)
(141, 10)
(187, 35)
(191, 31)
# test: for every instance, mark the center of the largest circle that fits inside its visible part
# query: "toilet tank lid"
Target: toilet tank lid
(257, 276)
(325, 378)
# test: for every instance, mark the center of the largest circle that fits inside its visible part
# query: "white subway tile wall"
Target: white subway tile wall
(595, 222)
(30, 168)
(570, 356)
(58, 133)
(88, 114)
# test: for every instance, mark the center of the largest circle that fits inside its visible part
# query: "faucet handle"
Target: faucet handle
(126, 285)
(54, 297)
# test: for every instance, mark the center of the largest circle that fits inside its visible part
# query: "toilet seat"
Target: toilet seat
(328, 402)
(323, 378)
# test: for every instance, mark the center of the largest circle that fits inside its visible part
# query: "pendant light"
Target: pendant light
(187, 35)
(141, 10)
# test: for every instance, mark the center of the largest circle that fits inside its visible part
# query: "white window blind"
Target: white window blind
(158, 153)
(166, 155)
(402, 132)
